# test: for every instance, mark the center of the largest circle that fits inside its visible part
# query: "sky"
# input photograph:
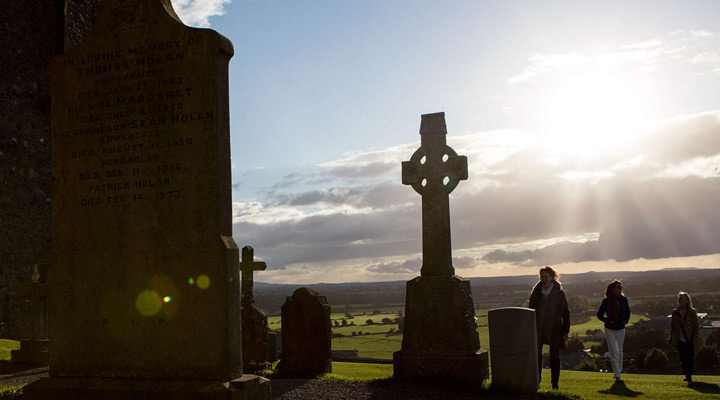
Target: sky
(592, 131)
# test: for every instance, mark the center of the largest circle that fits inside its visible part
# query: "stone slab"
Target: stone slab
(144, 276)
(249, 387)
(513, 345)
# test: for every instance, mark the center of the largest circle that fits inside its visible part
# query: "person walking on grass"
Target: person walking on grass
(552, 317)
(614, 311)
(684, 329)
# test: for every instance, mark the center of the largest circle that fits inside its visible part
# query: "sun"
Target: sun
(594, 113)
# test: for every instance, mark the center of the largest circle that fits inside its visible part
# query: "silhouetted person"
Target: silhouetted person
(614, 311)
(684, 329)
(552, 319)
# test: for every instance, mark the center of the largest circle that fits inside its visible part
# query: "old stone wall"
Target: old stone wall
(31, 33)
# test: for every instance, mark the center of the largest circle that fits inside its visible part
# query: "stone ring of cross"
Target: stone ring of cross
(435, 176)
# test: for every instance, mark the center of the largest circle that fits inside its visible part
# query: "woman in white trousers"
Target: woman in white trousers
(614, 311)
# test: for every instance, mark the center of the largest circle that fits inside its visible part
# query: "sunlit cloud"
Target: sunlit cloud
(198, 12)
(646, 55)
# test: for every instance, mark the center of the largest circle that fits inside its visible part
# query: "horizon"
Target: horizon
(592, 132)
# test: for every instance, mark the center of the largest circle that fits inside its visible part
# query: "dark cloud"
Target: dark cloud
(651, 220)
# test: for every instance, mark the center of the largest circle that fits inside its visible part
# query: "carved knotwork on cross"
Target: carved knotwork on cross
(248, 266)
(434, 170)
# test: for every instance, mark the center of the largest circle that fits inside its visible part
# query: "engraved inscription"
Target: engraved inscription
(129, 120)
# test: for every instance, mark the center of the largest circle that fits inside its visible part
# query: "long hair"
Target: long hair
(687, 297)
(553, 274)
(609, 289)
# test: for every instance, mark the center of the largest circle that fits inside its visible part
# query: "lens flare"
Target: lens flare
(167, 299)
(148, 303)
(203, 281)
(191, 281)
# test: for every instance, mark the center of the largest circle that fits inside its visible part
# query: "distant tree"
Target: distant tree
(354, 333)
(713, 339)
(336, 323)
(655, 359)
(573, 345)
(707, 358)
(386, 321)
(348, 316)
(369, 321)
(578, 304)
(343, 322)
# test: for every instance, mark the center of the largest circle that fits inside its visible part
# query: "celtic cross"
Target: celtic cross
(434, 170)
(248, 266)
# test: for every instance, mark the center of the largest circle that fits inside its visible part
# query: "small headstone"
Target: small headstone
(440, 337)
(254, 322)
(306, 334)
(513, 346)
(272, 348)
(144, 296)
(34, 350)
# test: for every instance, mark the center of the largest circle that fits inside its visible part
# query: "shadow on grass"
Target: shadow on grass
(702, 387)
(619, 389)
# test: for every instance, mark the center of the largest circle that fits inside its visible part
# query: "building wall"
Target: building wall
(31, 33)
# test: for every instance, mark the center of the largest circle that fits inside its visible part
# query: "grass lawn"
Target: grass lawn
(596, 385)
(5, 346)
(584, 385)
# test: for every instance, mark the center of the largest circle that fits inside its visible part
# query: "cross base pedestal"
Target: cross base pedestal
(466, 367)
(440, 337)
(247, 387)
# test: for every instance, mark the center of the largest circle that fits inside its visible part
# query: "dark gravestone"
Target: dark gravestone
(254, 322)
(143, 284)
(440, 338)
(34, 349)
(272, 347)
(513, 346)
(306, 334)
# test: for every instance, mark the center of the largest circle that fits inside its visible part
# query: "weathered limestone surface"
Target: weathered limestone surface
(514, 348)
(144, 272)
(306, 334)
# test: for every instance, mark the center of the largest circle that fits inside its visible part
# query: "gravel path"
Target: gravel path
(314, 389)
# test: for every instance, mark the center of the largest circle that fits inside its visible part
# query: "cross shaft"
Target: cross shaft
(248, 266)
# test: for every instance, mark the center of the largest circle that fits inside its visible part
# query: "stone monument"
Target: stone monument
(143, 281)
(440, 339)
(306, 334)
(254, 322)
(513, 346)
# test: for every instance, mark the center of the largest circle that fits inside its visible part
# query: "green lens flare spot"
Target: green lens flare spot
(191, 281)
(203, 281)
(148, 303)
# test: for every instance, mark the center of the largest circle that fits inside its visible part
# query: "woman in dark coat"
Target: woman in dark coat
(552, 317)
(684, 328)
(614, 311)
